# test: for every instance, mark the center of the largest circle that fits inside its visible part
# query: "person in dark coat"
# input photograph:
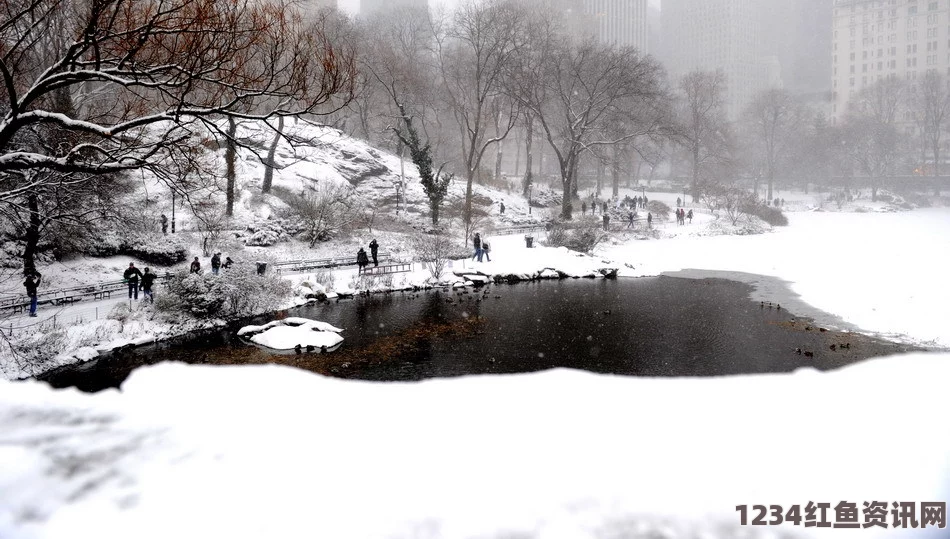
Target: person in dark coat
(31, 283)
(583, 208)
(227, 262)
(502, 208)
(195, 266)
(164, 221)
(374, 249)
(649, 220)
(485, 250)
(361, 261)
(131, 277)
(477, 242)
(606, 222)
(604, 207)
(148, 278)
(216, 263)
(689, 216)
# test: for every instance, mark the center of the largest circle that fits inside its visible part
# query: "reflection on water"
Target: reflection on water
(657, 326)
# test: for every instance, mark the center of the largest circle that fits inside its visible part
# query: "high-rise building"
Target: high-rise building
(798, 35)
(717, 35)
(369, 7)
(874, 39)
(620, 22)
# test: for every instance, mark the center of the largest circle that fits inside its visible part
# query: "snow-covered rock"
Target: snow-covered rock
(290, 332)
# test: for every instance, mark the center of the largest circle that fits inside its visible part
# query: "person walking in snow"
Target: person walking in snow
(583, 209)
(485, 250)
(477, 242)
(649, 220)
(362, 260)
(606, 221)
(131, 277)
(678, 201)
(216, 263)
(502, 208)
(690, 216)
(32, 282)
(195, 266)
(630, 218)
(374, 249)
(605, 207)
(148, 278)
(164, 221)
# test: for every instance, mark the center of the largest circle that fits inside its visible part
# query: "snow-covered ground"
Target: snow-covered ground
(250, 452)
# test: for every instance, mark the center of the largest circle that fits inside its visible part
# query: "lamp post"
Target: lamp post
(398, 186)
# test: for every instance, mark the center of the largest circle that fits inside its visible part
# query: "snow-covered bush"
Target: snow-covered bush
(770, 215)
(582, 237)
(324, 211)
(237, 292)
(267, 232)
(120, 311)
(543, 196)
(33, 352)
(658, 209)
(156, 249)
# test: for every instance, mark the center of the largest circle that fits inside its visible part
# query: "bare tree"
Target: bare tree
(575, 89)
(929, 102)
(325, 210)
(702, 119)
(772, 117)
(149, 75)
(872, 136)
(475, 54)
(435, 251)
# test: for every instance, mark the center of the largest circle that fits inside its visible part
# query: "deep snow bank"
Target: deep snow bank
(193, 451)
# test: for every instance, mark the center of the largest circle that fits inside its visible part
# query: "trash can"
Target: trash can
(261, 268)
(529, 241)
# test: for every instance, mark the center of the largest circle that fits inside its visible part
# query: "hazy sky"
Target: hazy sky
(353, 6)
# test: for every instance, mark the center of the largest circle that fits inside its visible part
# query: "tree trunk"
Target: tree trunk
(529, 143)
(498, 156)
(517, 156)
(936, 158)
(615, 171)
(32, 234)
(269, 163)
(695, 173)
(230, 154)
(600, 177)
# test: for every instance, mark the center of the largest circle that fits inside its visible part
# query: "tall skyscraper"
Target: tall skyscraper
(874, 39)
(620, 22)
(369, 7)
(718, 35)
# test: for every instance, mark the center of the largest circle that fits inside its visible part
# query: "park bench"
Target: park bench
(298, 266)
(400, 267)
(522, 229)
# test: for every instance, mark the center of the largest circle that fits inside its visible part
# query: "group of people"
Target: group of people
(481, 248)
(682, 215)
(132, 276)
(216, 264)
(362, 260)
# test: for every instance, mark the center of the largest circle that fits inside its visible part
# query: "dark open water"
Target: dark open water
(658, 326)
